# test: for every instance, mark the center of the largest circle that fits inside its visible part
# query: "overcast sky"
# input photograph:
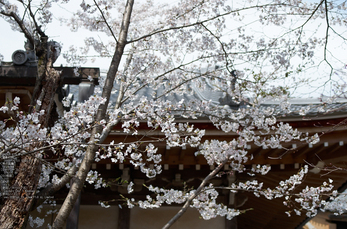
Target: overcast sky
(12, 40)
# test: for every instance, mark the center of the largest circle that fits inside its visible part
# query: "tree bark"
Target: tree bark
(15, 211)
(84, 168)
(52, 188)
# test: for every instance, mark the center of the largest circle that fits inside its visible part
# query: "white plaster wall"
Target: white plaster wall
(157, 218)
(96, 217)
(91, 217)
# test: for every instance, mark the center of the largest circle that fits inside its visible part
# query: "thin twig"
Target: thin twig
(195, 194)
(103, 16)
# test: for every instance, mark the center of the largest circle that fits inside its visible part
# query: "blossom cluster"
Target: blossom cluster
(187, 50)
(206, 203)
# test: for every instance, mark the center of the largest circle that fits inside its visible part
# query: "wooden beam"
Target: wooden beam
(26, 75)
(332, 151)
(260, 155)
(302, 152)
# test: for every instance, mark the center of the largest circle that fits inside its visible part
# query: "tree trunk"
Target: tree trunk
(15, 211)
(84, 168)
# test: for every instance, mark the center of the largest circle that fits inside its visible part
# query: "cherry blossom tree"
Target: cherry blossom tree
(26, 181)
(166, 50)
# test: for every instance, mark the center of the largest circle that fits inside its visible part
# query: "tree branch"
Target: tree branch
(224, 52)
(21, 25)
(52, 188)
(326, 38)
(103, 16)
(84, 168)
(196, 193)
(37, 27)
(203, 21)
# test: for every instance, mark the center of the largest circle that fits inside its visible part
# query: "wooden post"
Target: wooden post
(231, 224)
(124, 218)
(72, 220)
(86, 89)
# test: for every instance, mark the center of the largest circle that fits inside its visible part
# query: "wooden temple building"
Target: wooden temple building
(182, 168)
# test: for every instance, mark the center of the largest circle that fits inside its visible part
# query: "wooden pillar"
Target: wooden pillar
(85, 90)
(72, 220)
(124, 218)
(231, 224)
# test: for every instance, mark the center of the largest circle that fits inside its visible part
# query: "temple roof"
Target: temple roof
(321, 117)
